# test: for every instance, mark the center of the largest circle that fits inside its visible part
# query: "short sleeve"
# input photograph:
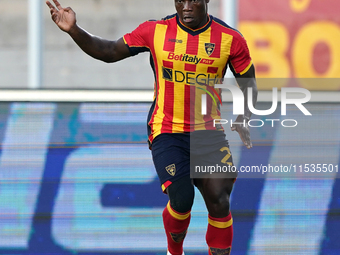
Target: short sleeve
(139, 39)
(240, 60)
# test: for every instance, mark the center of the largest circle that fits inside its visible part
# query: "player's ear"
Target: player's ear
(207, 1)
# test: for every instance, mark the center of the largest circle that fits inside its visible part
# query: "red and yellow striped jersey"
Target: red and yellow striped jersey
(187, 63)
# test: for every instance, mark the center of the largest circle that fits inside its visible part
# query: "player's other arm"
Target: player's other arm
(245, 81)
(99, 48)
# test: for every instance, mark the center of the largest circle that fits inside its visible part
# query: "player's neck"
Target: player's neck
(199, 27)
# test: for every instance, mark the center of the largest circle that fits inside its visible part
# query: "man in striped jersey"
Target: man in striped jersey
(189, 53)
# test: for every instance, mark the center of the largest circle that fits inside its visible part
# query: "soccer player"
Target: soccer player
(189, 53)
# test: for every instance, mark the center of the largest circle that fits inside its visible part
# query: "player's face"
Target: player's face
(192, 13)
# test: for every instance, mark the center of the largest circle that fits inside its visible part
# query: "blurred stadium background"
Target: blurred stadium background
(76, 176)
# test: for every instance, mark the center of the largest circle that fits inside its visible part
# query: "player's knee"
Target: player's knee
(222, 201)
(218, 205)
(181, 194)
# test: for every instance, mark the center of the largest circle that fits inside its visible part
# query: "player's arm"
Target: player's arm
(245, 81)
(96, 47)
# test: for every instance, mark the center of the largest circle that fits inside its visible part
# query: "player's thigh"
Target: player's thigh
(214, 160)
(217, 186)
(171, 157)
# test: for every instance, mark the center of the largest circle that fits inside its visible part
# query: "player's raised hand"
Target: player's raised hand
(243, 130)
(65, 18)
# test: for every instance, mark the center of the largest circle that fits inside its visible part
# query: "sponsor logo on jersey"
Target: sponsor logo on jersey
(190, 59)
(209, 48)
(171, 169)
(190, 78)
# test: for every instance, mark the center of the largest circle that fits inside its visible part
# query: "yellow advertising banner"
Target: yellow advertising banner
(293, 39)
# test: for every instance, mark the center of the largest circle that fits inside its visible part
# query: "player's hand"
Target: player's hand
(65, 18)
(242, 130)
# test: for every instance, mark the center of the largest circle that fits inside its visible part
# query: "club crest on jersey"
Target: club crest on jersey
(171, 169)
(209, 48)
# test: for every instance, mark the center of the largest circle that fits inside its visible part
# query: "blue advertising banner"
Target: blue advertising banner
(78, 178)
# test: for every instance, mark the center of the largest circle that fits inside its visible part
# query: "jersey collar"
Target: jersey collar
(194, 31)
